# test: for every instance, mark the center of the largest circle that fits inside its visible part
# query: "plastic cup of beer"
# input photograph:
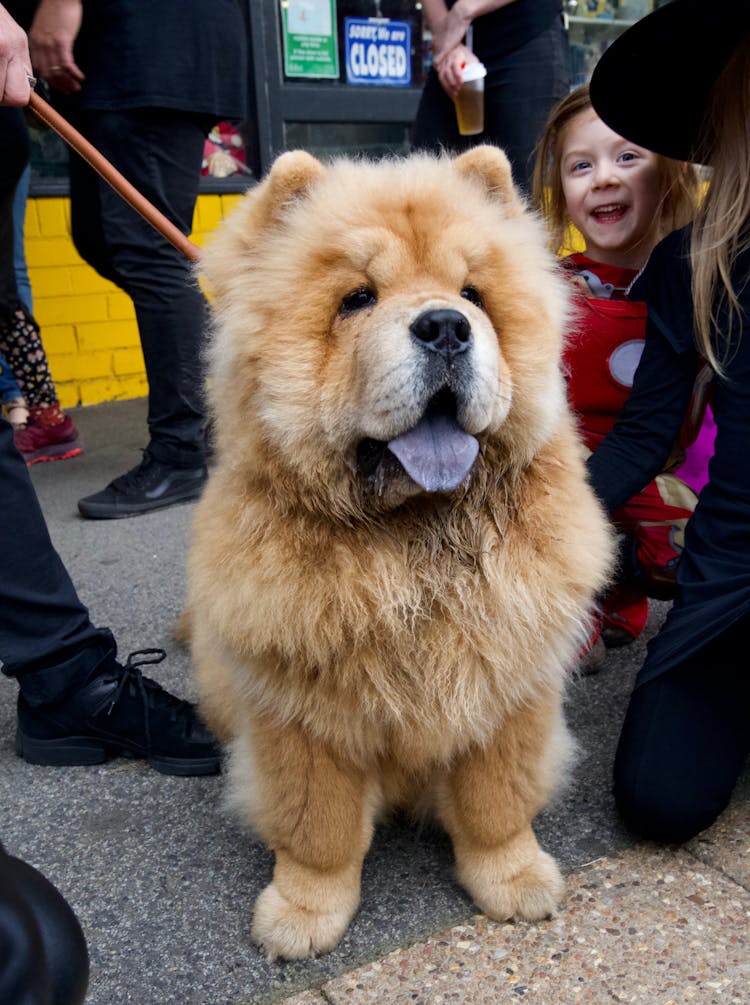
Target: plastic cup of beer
(470, 100)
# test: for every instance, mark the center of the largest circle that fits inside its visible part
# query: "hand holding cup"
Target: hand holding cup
(469, 100)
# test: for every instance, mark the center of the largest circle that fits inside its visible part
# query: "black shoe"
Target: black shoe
(149, 486)
(615, 638)
(593, 660)
(119, 711)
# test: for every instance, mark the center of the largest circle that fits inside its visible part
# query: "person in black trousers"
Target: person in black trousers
(678, 83)
(524, 46)
(77, 703)
(145, 82)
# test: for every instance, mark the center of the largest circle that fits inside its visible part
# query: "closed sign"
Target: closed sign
(378, 51)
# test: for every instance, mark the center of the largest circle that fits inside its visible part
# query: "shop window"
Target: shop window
(328, 139)
(594, 25)
(48, 153)
(225, 154)
(228, 160)
(337, 76)
(327, 40)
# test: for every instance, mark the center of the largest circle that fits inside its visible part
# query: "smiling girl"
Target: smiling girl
(622, 199)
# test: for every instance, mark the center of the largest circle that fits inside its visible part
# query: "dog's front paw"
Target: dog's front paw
(535, 893)
(291, 932)
(532, 893)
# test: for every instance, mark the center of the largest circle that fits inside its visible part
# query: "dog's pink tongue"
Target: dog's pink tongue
(437, 454)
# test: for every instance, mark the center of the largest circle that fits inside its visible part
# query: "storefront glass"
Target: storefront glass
(337, 76)
(358, 42)
(327, 139)
(593, 25)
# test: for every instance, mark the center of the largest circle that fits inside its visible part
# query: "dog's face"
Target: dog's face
(382, 328)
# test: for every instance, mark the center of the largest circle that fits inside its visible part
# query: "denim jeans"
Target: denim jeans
(14, 143)
(19, 240)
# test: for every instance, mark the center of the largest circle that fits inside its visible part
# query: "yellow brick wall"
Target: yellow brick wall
(88, 325)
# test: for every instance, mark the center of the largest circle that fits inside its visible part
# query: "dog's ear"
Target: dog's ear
(491, 167)
(292, 175)
(260, 210)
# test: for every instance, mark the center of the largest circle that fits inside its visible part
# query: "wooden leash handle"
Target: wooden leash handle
(112, 176)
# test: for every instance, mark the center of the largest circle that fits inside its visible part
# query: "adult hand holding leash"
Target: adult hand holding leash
(15, 62)
(53, 33)
(16, 88)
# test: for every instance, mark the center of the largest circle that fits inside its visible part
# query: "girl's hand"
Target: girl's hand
(54, 30)
(449, 71)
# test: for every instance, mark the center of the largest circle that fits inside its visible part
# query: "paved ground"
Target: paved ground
(163, 878)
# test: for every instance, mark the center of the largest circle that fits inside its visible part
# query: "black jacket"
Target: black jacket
(714, 571)
(189, 55)
(508, 28)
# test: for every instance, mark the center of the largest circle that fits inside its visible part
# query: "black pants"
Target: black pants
(47, 640)
(159, 151)
(520, 90)
(46, 637)
(684, 742)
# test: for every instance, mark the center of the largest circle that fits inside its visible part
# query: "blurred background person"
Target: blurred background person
(149, 115)
(19, 239)
(524, 47)
(48, 434)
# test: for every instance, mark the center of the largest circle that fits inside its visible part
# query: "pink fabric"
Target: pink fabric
(694, 472)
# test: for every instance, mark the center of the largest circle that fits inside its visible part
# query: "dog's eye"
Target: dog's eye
(472, 295)
(357, 300)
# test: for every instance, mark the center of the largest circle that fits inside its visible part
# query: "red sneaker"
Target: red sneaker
(36, 442)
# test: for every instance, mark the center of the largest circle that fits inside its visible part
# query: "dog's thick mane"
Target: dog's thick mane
(419, 583)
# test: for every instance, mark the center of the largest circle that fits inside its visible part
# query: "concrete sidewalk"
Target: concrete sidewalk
(649, 926)
(163, 878)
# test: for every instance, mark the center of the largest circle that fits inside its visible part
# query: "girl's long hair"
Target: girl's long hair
(721, 230)
(677, 182)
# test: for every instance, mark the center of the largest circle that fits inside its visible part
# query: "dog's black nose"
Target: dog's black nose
(446, 332)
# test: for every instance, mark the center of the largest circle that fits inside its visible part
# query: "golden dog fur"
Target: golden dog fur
(362, 641)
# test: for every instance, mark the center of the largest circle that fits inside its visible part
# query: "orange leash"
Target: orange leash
(112, 176)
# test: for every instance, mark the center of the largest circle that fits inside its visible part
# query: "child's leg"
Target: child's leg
(655, 520)
(13, 404)
(21, 344)
(50, 434)
(624, 615)
(593, 654)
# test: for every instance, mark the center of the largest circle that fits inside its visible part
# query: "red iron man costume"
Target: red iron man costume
(600, 361)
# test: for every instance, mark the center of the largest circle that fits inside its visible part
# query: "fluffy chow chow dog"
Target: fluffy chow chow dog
(395, 555)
